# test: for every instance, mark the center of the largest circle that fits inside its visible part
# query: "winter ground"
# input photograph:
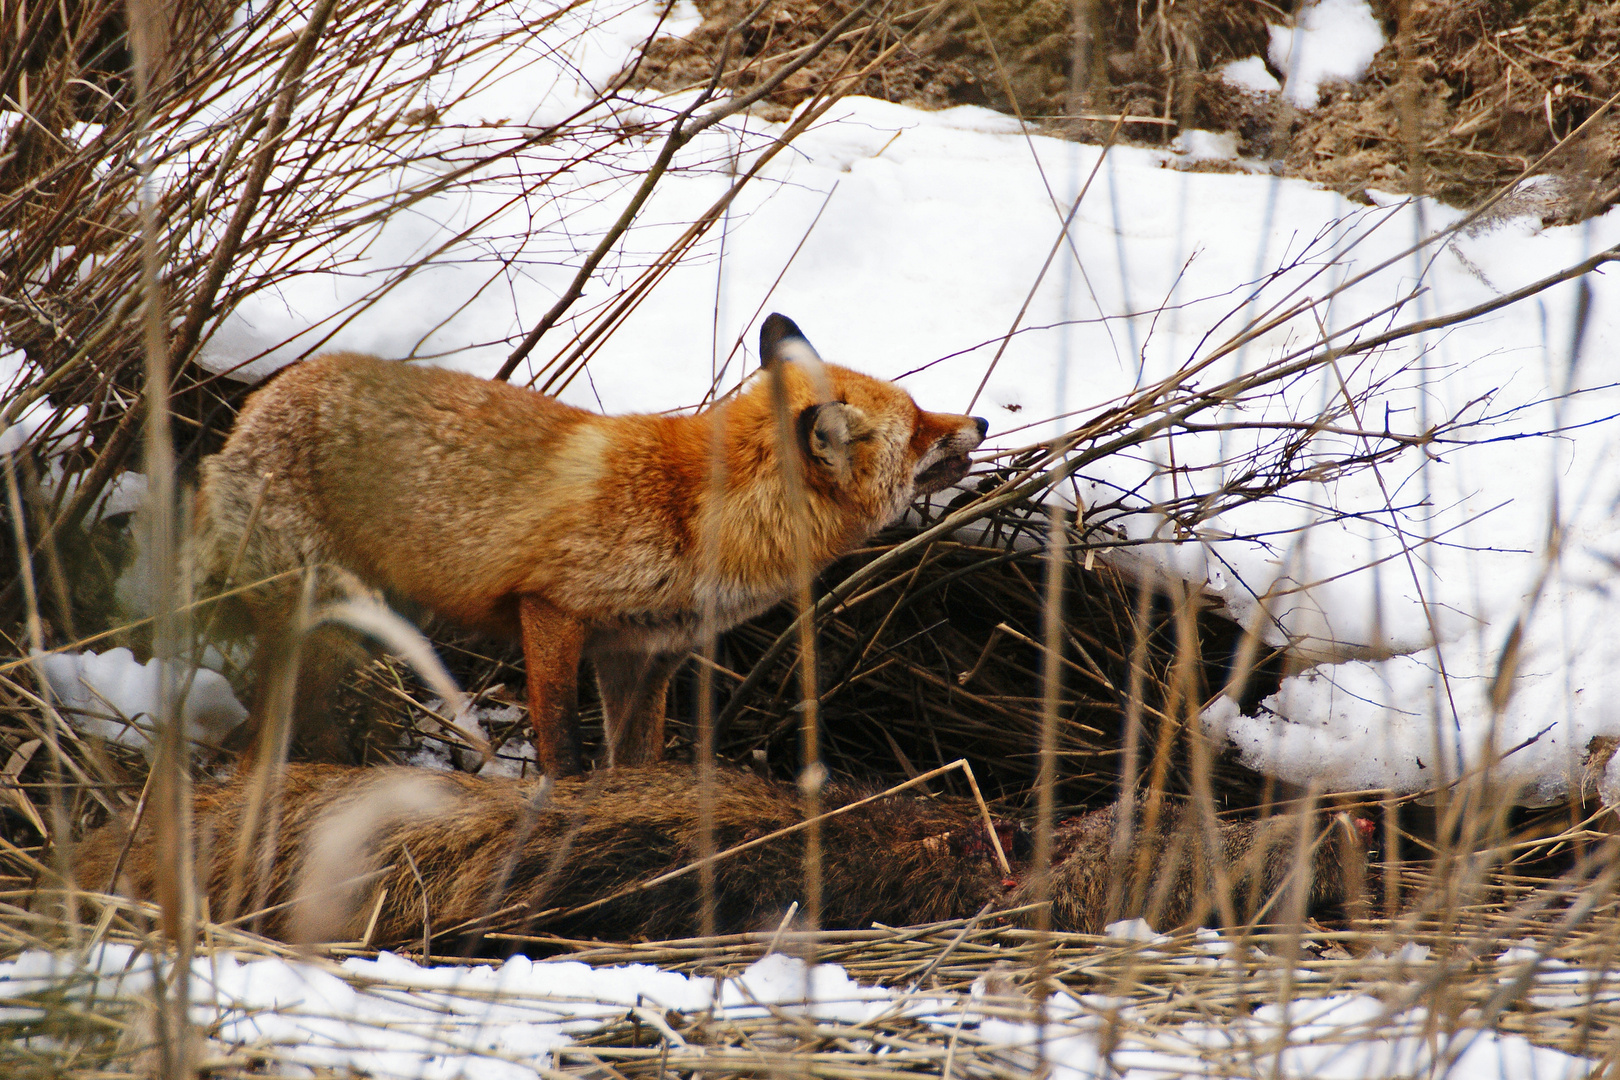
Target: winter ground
(907, 243)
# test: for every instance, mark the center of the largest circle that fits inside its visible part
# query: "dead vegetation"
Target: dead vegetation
(494, 866)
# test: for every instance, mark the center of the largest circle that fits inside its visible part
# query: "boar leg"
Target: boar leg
(633, 687)
(552, 643)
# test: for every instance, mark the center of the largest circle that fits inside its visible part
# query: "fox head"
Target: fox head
(863, 440)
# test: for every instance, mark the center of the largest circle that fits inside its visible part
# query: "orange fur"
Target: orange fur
(608, 537)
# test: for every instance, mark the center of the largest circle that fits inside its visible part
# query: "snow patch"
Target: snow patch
(1331, 40)
(111, 696)
(390, 1017)
(1195, 144)
(1251, 74)
(38, 416)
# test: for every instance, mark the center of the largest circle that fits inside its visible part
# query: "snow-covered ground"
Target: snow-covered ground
(113, 696)
(392, 1018)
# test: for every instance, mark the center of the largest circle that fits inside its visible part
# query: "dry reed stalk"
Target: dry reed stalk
(171, 803)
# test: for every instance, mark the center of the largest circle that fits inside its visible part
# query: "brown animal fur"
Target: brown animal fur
(499, 853)
(602, 537)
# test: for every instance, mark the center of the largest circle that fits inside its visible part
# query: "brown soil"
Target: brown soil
(1465, 96)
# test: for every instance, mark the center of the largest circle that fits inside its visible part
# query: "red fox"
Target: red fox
(608, 538)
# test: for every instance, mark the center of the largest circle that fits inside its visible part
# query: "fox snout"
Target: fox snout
(946, 460)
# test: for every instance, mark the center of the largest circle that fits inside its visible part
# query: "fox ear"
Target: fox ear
(780, 339)
(824, 434)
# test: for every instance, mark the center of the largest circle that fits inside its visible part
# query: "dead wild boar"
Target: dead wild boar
(477, 855)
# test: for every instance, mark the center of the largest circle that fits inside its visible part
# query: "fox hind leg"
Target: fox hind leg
(634, 687)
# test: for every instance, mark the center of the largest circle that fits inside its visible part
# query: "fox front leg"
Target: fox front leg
(552, 644)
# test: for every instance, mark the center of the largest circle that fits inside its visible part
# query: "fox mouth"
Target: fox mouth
(942, 474)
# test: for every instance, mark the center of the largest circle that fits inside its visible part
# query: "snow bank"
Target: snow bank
(52, 431)
(1251, 74)
(1198, 145)
(932, 228)
(526, 65)
(37, 416)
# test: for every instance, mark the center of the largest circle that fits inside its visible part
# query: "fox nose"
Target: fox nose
(982, 424)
